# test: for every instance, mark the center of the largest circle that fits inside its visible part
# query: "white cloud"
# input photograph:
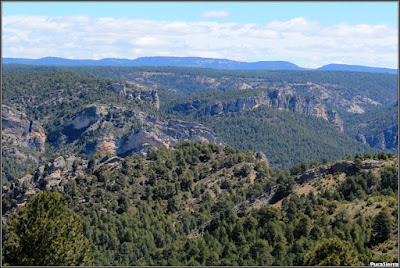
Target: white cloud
(216, 14)
(303, 42)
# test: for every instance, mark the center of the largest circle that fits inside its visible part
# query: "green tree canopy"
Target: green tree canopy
(382, 226)
(331, 252)
(45, 232)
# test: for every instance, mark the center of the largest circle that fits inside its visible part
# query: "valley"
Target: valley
(195, 166)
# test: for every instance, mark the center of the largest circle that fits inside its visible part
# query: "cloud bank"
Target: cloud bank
(303, 42)
(216, 14)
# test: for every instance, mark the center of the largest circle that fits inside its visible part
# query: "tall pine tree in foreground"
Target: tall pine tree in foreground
(332, 252)
(45, 232)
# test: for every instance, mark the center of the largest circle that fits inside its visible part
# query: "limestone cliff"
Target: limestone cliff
(135, 91)
(164, 133)
(279, 99)
(22, 130)
(120, 131)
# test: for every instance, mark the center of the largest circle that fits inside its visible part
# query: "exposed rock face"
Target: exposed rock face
(118, 88)
(106, 144)
(139, 93)
(146, 96)
(128, 132)
(267, 197)
(38, 175)
(387, 139)
(260, 156)
(85, 122)
(333, 118)
(285, 101)
(338, 167)
(312, 174)
(26, 132)
(370, 164)
(58, 164)
(160, 133)
(343, 166)
(86, 118)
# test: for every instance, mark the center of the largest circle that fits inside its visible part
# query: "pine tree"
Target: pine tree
(331, 252)
(45, 232)
(382, 227)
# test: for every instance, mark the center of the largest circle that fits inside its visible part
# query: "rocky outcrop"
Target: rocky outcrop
(86, 121)
(312, 174)
(266, 197)
(343, 166)
(334, 118)
(387, 139)
(370, 164)
(124, 132)
(164, 133)
(23, 130)
(347, 167)
(146, 96)
(106, 144)
(281, 100)
(118, 88)
(133, 91)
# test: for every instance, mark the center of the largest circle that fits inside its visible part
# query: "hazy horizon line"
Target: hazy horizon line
(132, 59)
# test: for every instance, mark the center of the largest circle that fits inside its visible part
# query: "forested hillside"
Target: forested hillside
(285, 137)
(202, 204)
(185, 166)
(360, 105)
(74, 113)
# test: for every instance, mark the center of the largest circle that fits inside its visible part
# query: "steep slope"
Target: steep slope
(200, 204)
(23, 142)
(67, 112)
(286, 127)
(309, 92)
(340, 89)
(377, 128)
(243, 100)
(285, 137)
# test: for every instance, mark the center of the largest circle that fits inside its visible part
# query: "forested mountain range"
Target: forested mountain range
(157, 106)
(196, 166)
(356, 68)
(222, 64)
(350, 94)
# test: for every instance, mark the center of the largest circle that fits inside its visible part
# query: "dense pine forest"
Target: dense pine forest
(143, 166)
(201, 204)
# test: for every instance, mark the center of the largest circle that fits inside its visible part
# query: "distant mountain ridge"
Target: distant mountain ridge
(162, 61)
(222, 64)
(355, 68)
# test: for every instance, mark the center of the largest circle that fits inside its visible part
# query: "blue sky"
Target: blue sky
(309, 34)
(255, 12)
